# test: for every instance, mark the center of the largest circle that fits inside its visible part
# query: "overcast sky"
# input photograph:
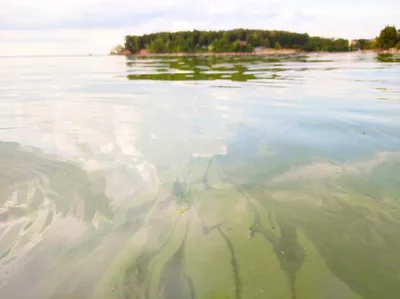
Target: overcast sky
(41, 27)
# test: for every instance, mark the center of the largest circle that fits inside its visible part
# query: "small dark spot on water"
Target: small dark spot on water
(251, 233)
(28, 225)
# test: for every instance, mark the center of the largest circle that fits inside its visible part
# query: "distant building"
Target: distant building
(243, 43)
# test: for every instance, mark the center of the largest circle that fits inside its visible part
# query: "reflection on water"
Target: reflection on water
(285, 186)
(215, 67)
(388, 57)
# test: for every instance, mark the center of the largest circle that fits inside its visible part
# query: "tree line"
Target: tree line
(246, 40)
(389, 38)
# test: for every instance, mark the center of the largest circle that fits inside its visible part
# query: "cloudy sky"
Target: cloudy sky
(41, 27)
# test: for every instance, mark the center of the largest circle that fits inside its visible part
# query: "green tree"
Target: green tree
(339, 45)
(132, 44)
(157, 46)
(236, 46)
(222, 45)
(248, 48)
(225, 41)
(360, 44)
(266, 43)
(253, 39)
(388, 37)
(375, 43)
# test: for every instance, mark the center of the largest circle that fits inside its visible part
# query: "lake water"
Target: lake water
(206, 178)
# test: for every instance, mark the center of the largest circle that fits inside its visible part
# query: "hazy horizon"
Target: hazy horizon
(95, 26)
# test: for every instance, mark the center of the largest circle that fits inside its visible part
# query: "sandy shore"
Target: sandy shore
(267, 52)
(260, 53)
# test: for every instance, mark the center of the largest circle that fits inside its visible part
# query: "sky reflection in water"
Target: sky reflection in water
(245, 177)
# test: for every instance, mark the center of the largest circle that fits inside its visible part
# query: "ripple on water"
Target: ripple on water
(200, 177)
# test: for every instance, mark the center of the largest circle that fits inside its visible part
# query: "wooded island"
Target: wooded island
(249, 41)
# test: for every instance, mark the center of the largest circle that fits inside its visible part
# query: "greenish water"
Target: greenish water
(206, 178)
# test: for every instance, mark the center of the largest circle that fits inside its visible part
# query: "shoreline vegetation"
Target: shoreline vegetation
(244, 42)
(254, 53)
(266, 52)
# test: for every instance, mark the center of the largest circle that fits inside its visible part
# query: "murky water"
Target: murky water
(207, 178)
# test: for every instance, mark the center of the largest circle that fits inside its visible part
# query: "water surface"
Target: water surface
(206, 178)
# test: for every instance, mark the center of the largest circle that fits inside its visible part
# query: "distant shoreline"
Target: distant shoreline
(266, 52)
(254, 53)
(250, 42)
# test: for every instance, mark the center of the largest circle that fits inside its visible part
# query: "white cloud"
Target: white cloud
(40, 14)
(95, 26)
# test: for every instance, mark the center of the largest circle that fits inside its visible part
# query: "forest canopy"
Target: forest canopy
(389, 38)
(248, 40)
(237, 40)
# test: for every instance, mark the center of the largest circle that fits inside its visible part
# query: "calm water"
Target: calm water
(207, 178)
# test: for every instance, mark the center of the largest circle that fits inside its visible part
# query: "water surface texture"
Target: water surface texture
(200, 178)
